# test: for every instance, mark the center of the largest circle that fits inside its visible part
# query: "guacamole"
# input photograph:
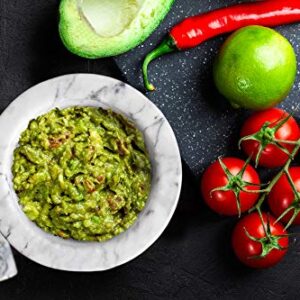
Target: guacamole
(82, 173)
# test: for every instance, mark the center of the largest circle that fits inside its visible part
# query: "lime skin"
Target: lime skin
(255, 68)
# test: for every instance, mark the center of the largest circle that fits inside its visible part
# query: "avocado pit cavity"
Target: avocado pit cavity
(109, 18)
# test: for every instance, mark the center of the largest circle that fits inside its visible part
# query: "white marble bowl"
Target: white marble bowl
(90, 90)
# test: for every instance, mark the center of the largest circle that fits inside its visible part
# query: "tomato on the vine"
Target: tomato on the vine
(283, 198)
(263, 136)
(259, 244)
(228, 186)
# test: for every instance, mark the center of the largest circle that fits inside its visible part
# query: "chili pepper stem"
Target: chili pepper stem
(167, 46)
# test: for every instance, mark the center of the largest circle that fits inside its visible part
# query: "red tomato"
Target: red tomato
(271, 156)
(282, 196)
(225, 202)
(248, 250)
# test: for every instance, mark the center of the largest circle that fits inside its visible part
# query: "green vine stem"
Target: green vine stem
(236, 184)
(270, 241)
(267, 190)
(266, 136)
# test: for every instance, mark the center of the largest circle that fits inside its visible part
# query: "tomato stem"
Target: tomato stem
(286, 142)
(236, 184)
(266, 136)
(269, 241)
(284, 170)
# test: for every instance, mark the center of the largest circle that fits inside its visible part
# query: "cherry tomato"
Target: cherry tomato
(282, 196)
(224, 202)
(271, 156)
(248, 250)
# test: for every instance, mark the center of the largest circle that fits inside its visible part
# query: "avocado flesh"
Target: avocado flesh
(102, 28)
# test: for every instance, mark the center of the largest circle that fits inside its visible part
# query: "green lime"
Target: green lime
(255, 68)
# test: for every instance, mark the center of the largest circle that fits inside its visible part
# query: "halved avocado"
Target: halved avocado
(102, 28)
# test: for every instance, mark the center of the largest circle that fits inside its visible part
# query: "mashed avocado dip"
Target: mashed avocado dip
(82, 173)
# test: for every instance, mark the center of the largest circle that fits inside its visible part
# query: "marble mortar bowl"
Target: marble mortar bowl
(101, 91)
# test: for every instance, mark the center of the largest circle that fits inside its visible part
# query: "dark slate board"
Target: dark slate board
(205, 125)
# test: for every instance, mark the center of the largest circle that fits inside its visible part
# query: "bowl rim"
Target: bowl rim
(5, 226)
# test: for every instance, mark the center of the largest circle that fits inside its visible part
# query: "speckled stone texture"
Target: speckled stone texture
(205, 125)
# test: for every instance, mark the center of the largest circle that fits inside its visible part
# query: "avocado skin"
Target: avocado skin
(109, 46)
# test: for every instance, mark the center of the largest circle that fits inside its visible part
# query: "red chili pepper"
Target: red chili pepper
(195, 30)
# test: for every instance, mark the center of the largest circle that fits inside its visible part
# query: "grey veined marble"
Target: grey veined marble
(7, 263)
(90, 90)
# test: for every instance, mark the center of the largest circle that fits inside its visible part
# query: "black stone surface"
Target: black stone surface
(193, 258)
(203, 121)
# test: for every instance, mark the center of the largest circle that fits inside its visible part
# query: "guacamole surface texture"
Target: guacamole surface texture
(82, 173)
